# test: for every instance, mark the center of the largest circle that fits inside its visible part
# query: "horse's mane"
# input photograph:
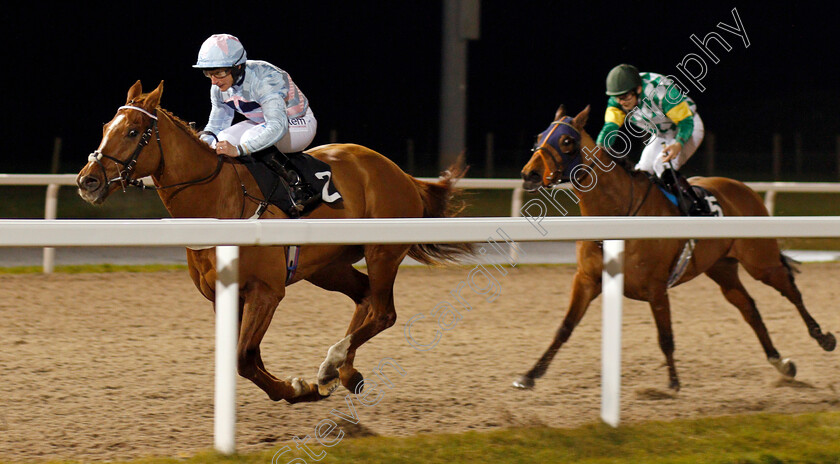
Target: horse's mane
(181, 124)
(628, 166)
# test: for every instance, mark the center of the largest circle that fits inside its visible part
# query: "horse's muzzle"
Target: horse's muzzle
(91, 189)
(531, 181)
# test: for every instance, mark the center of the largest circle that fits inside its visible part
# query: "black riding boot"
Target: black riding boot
(291, 177)
(689, 203)
(301, 192)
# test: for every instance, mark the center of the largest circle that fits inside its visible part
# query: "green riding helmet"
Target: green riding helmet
(622, 79)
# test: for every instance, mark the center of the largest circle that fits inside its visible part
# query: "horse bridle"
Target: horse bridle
(125, 174)
(546, 149)
(129, 164)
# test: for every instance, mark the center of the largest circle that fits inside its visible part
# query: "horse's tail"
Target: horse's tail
(440, 199)
(791, 264)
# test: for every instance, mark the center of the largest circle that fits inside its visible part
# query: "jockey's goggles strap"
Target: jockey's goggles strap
(127, 107)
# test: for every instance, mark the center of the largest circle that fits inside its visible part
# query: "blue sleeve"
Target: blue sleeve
(221, 115)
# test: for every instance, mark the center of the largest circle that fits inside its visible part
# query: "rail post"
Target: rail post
(51, 205)
(613, 285)
(770, 200)
(227, 334)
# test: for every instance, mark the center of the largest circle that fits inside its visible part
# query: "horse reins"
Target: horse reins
(125, 174)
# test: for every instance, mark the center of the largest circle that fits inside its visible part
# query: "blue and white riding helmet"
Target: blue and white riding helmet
(220, 51)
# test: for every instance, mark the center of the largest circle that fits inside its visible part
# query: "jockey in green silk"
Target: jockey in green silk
(655, 104)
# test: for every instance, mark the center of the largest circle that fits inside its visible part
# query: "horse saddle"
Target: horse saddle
(313, 189)
(706, 198)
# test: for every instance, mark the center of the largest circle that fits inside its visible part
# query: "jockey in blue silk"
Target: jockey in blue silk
(277, 112)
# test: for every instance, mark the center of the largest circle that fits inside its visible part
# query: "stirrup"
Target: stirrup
(290, 176)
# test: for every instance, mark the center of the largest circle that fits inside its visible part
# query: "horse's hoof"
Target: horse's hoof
(300, 386)
(524, 383)
(325, 389)
(304, 391)
(354, 381)
(828, 342)
(674, 384)
(790, 369)
(328, 379)
(307, 398)
(785, 366)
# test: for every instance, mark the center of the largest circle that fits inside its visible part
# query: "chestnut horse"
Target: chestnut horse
(613, 188)
(193, 181)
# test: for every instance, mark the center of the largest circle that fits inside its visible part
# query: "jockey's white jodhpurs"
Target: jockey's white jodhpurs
(299, 136)
(651, 159)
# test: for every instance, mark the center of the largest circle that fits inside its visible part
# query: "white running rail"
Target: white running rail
(53, 181)
(229, 234)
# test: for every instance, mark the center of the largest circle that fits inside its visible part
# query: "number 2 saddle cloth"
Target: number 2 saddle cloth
(315, 186)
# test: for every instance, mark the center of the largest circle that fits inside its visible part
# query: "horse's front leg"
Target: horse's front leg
(584, 290)
(260, 301)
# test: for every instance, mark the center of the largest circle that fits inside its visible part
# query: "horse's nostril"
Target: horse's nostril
(89, 183)
(532, 176)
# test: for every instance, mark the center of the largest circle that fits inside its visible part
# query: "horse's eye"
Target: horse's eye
(567, 142)
(132, 133)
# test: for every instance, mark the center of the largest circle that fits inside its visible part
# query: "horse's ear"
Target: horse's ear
(560, 112)
(581, 118)
(153, 99)
(134, 92)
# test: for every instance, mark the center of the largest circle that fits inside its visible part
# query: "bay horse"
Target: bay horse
(143, 139)
(616, 189)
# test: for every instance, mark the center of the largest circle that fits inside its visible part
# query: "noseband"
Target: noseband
(128, 165)
(549, 149)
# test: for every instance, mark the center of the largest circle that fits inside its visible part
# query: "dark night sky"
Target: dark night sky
(372, 69)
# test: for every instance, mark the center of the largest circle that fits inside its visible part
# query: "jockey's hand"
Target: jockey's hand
(671, 151)
(225, 148)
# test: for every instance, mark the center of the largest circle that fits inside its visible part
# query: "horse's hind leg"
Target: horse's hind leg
(660, 305)
(383, 262)
(779, 275)
(355, 284)
(584, 290)
(257, 312)
(725, 274)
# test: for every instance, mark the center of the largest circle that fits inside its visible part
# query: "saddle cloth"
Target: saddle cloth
(701, 193)
(315, 176)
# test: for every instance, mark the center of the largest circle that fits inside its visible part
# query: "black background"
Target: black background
(371, 70)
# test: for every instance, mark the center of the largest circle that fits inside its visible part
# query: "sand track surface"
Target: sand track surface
(117, 366)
